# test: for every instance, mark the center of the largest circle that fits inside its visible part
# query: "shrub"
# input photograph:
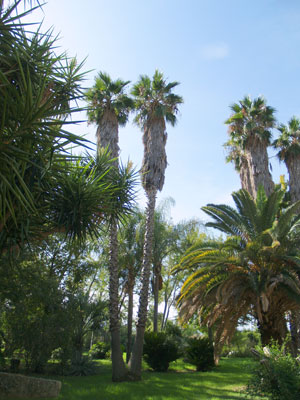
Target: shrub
(99, 350)
(200, 352)
(82, 367)
(62, 355)
(159, 351)
(276, 376)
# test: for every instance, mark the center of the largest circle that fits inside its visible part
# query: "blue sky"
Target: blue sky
(219, 51)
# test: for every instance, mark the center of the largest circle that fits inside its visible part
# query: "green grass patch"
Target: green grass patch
(179, 383)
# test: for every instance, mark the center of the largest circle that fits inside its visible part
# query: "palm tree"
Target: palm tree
(250, 134)
(236, 155)
(109, 107)
(288, 145)
(255, 270)
(156, 105)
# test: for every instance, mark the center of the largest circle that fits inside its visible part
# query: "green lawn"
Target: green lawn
(180, 383)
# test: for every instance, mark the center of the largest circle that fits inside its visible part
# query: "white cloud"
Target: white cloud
(215, 51)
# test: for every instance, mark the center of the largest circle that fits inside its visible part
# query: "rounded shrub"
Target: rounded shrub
(99, 350)
(200, 352)
(159, 351)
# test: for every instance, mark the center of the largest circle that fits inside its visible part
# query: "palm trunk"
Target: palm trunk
(293, 166)
(119, 371)
(245, 176)
(135, 362)
(258, 162)
(157, 271)
(271, 327)
(107, 135)
(129, 313)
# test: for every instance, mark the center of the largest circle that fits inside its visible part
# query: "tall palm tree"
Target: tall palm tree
(288, 145)
(250, 134)
(156, 105)
(255, 270)
(109, 107)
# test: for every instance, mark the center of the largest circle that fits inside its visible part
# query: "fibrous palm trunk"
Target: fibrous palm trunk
(107, 135)
(258, 163)
(137, 351)
(245, 179)
(293, 167)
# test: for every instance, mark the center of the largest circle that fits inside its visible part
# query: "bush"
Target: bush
(62, 355)
(276, 376)
(200, 352)
(82, 367)
(99, 350)
(159, 351)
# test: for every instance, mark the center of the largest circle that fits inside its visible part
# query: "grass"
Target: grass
(180, 383)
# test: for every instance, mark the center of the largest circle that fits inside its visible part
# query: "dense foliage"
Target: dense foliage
(200, 352)
(277, 375)
(160, 350)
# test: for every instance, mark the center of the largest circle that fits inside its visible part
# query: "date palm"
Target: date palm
(250, 134)
(156, 105)
(255, 270)
(109, 107)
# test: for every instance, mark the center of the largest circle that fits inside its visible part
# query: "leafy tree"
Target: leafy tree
(131, 236)
(250, 134)
(163, 237)
(156, 105)
(109, 107)
(255, 270)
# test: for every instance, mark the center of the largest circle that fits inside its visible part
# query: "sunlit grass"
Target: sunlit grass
(180, 383)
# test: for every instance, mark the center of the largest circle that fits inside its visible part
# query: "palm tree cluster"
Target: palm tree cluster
(109, 107)
(255, 269)
(250, 135)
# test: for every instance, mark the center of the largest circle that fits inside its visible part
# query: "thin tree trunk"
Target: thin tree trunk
(157, 271)
(119, 371)
(135, 362)
(129, 313)
(258, 162)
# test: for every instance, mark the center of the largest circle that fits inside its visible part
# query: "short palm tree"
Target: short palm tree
(156, 105)
(250, 134)
(255, 270)
(288, 145)
(108, 107)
